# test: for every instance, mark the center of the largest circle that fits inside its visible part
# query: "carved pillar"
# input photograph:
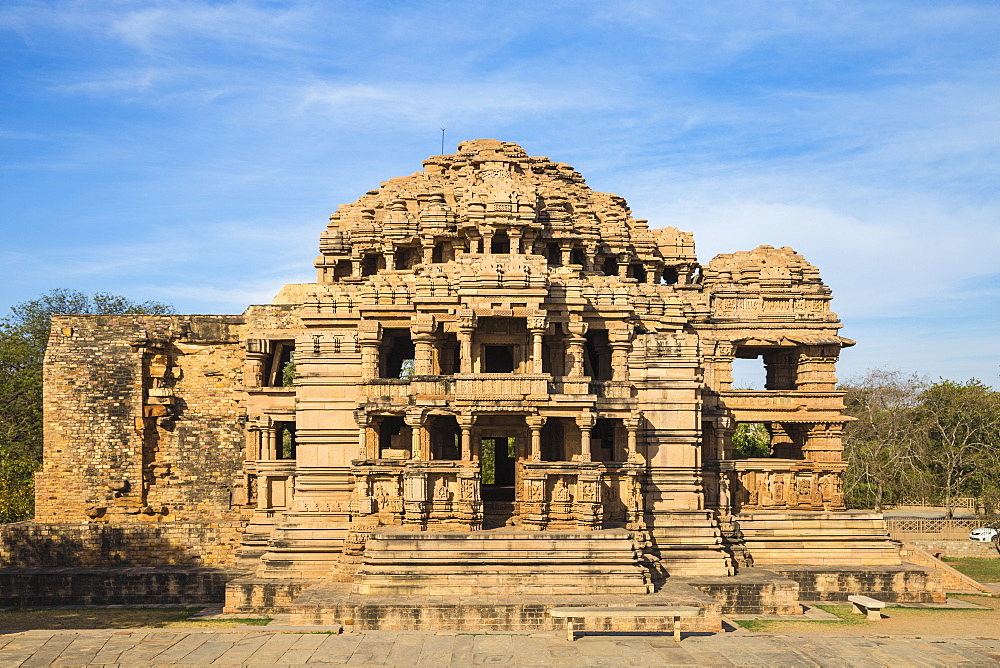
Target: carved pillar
(536, 326)
(369, 338)
(466, 326)
(632, 424)
(422, 329)
(623, 262)
(270, 449)
(575, 342)
(465, 422)
(363, 420)
(566, 252)
(254, 443)
(535, 424)
(585, 422)
(823, 442)
(415, 420)
(253, 370)
(427, 246)
(263, 492)
(590, 256)
(514, 234)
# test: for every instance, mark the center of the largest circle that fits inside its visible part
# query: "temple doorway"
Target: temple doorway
(496, 465)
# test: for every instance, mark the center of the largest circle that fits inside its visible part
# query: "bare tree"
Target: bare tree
(884, 442)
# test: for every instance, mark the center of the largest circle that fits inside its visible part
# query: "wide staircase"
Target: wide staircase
(502, 561)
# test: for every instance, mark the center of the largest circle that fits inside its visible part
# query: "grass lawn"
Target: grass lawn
(980, 569)
(114, 618)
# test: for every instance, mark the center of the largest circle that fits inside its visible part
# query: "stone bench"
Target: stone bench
(673, 611)
(865, 605)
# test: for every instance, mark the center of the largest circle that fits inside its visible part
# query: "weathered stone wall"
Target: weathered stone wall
(144, 419)
(31, 544)
(958, 548)
(112, 586)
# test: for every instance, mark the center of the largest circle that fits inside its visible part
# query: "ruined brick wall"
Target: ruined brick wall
(144, 419)
(45, 545)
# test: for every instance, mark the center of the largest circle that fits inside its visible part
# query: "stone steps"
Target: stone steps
(501, 561)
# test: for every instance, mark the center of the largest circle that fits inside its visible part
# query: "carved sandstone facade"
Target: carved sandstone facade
(489, 345)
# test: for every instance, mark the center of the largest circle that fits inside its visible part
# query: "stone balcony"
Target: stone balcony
(501, 386)
(783, 405)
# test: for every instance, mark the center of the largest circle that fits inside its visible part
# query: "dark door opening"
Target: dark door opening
(498, 359)
(496, 464)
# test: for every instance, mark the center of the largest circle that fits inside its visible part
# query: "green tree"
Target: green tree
(963, 430)
(24, 333)
(751, 439)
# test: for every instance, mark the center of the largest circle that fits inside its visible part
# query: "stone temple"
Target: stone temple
(502, 392)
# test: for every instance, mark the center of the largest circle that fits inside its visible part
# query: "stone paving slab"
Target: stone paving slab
(264, 647)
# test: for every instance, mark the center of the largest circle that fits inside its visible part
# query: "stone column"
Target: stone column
(590, 256)
(415, 421)
(465, 422)
(263, 492)
(254, 442)
(428, 249)
(363, 420)
(575, 342)
(536, 325)
(369, 338)
(585, 422)
(535, 423)
(632, 424)
(623, 262)
(566, 252)
(270, 452)
(514, 234)
(422, 328)
(253, 370)
(466, 326)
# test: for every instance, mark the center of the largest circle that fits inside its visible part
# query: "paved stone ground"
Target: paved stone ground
(405, 648)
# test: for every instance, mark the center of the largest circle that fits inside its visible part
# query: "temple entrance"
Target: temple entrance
(496, 464)
(497, 456)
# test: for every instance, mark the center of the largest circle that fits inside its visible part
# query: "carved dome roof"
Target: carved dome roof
(490, 189)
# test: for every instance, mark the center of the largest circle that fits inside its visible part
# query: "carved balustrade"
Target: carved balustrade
(572, 495)
(501, 386)
(419, 494)
(786, 484)
(783, 405)
(612, 389)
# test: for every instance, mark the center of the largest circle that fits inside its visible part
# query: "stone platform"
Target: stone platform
(502, 562)
(337, 604)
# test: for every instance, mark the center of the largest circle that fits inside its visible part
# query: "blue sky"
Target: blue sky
(190, 152)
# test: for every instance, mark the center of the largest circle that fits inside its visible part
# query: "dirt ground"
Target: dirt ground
(901, 621)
